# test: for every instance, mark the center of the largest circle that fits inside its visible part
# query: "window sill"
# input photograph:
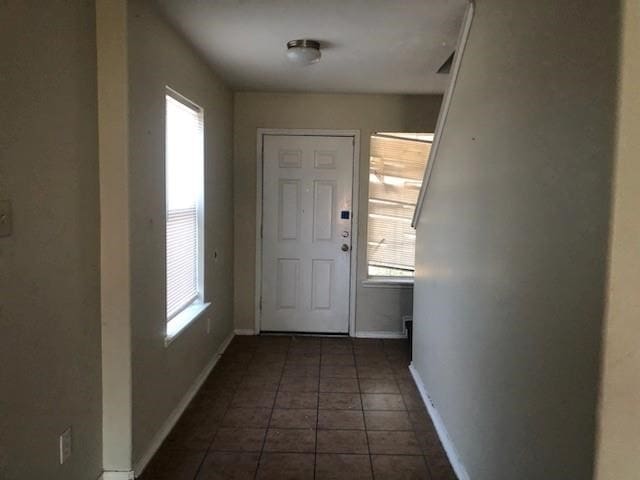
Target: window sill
(180, 322)
(388, 282)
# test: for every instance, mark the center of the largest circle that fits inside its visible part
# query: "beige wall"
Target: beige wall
(377, 309)
(162, 375)
(49, 280)
(512, 241)
(619, 422)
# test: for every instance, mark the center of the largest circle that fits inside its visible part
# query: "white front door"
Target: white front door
(306, 233)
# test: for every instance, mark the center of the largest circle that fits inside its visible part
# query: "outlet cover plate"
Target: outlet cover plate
(65, 445)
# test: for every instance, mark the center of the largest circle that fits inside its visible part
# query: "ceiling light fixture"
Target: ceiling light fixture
(303, 52)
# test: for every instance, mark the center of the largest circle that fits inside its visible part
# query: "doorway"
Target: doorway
(308, 231)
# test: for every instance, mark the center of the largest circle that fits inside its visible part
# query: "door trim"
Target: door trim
(355, 193)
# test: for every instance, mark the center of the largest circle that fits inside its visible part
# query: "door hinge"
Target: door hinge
(262, 230)
(260, 304)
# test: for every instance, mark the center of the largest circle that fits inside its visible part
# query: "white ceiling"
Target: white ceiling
(369, 46)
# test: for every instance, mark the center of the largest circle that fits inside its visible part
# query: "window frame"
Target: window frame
(393, 281)
(192, 310)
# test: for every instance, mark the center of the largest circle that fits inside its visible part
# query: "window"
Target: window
(184, 165)
(396, 169)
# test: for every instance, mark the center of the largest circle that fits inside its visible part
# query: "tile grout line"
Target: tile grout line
(315, 452)
(273, 406)
(413, 429)
(235, 389)
(364, 421)
(392, 360)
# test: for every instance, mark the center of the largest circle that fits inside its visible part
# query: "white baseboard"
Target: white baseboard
(382, 334)
(448, 445)
(177, 412)
(116, 476)
(224, 345)
(244, 331)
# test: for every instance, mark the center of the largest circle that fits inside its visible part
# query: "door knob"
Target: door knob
(344, 247)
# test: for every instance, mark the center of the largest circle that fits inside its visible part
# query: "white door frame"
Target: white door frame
(355, 191)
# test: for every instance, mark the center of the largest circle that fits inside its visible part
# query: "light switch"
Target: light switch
(5, 218)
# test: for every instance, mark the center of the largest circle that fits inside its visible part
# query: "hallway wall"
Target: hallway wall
(619, 423)
(512, 241)
(158, 57)
(377, 309)
(49, 279)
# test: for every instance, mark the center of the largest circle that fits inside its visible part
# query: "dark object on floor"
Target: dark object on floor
(408, 325)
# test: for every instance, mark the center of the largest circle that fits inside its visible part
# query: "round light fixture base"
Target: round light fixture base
(303, 51)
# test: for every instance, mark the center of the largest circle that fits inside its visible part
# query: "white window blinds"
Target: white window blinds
(184, 187)
(396, 169)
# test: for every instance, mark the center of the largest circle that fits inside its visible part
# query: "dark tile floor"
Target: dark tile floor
(292, 407)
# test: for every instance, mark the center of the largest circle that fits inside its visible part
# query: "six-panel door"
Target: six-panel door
(306, 244)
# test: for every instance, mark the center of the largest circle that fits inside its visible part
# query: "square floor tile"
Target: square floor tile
(208, 407)
(238, 439)
(344, 359)
(342, 441)
(429, 443)
(297, 400)
(413, 402)
(286, 466)
(382, 401)
(271, 348)
(339, 385)
(421, 420)
(338, 371)
(375, 361)
(299, 384)
(401, 371)
(260, 382)
(331, 466)
(301, 370)
(189, 434)
(306, 349)
(378, 385)
(229, 466)
(261, 357)
(227, 371)
(387, 420)
(407, 386)
(173, 465)
(253, 398)
(393, 443)
(270, 369)
(396, 467)
(337, 349)
(340, 401)
(238, 356)
(294, 418)
(340, 419)
(220, 379)
(247, 417)
(303, 358)
(374, 372)
(290, 440)
(233, 416)
(440, 468)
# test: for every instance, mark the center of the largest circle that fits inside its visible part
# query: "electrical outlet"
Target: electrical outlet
(65, 445)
